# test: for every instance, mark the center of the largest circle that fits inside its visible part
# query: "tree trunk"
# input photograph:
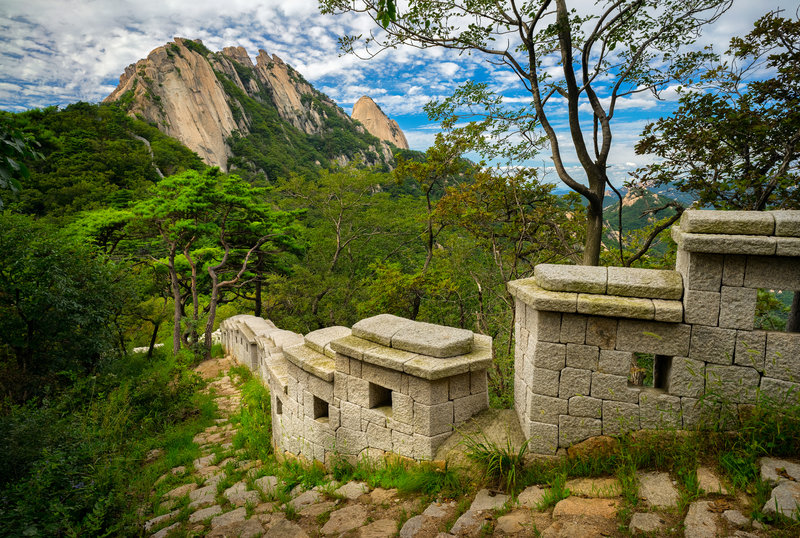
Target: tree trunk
(594, 234)
(153, 339)
(258, 306)
(793, 323)
(176, 299)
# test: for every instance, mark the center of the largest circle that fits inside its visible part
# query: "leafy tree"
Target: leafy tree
(734, 143)
(208, 221)
(627, 47)
(15, 148)
(58, 305)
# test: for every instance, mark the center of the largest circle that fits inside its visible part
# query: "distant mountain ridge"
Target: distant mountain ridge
(238, 114)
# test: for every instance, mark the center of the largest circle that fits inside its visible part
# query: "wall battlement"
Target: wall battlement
(577, 329)
(388, 385)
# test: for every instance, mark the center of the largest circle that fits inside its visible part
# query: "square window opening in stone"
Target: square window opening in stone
(662, 365)
(641, 371)
(772, 309)
(379, 396)
(278, 406)
(320, 409)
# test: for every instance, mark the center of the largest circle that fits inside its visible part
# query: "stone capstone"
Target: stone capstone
(414, 336)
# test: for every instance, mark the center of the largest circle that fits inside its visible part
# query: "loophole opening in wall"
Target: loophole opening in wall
(650, 370)
(278, 406)
(379, 396)
(772, 309)
(321, 410)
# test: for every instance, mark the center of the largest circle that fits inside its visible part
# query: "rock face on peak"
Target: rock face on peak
(236, 113)
(377, 123)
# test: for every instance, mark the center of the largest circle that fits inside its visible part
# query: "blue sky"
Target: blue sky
(55, 52)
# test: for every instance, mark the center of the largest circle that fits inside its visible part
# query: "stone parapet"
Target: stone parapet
(390, 385)
(577, 330)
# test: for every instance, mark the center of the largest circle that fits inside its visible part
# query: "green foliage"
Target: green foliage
(772, 309)
(15, 147)
(71, 462)
(93, 157)
(59, 306)
(735, 143)
(255, 420)
(502, 464)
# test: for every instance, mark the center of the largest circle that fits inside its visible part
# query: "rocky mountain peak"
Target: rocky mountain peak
(377, 123)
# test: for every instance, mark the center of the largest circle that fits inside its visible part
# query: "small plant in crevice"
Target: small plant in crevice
(556, 492)
(502, 464)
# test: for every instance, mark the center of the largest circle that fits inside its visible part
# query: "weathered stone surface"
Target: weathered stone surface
(387, 357)
(574, 429)
(653, 337)
(311, 361)
(353, 347)
(378, 124)
(712, 344)
(599, 445)
(205, 513)
(378, 529)
(531, 496)
(543, 326)
(158, 520)
(613, 305)
(785, 500)
(573, 382)
(701, 520)
(285, 529)
(433, 419)
(686, 377)
(771, 272)
(658, 411)
(239, 496)
(514, 522)
(573, 329)
(352, 490)
(787, 222)
(575, 278)
(412, 527)
(787, 246)
(582, 357)
(532, 295)
(432, 340)
(229, 517)
(205, 496)
(549, 355)
(600, 488)
(778, 470)
(619, 417)
(709, 221)
(657, 489)
(646, 283)
(424, 447)
(180, 491)
(750, 349)
(645, 523)
(575, 506)
(737, 307)
(733, 270)
(734, 384)
(783, 350)
(345, 519)
(379, 329)
(669, 311)
(487, 500)
(543, 437)
(602, 332)
(613, 387)
(466, 407)
(614, 362)
(701, 307)
(736, 518)
(708, 481)
(585, 406)
(724, 244)
(166, 530)
(480, 358)
(777, 389)
(321, 338)
(700, 271)
(305, 499)
(469, 524)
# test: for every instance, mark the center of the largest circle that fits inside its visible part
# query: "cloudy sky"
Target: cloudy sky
(55, 52)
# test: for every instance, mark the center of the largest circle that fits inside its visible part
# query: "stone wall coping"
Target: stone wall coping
(416, 364)
(278, 369)
(528, 291)
(784, 223)
(619, 281)
(311, 361)
(753, 245)
(247, 332)
(414, 336)
(321, 339)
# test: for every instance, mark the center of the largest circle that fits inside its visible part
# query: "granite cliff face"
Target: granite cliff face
(230, 110)
(377, 123)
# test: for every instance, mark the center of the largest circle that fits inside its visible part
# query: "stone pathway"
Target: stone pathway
(224, 494)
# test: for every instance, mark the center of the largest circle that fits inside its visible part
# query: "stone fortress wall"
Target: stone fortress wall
(389, 385)
(392, 385)
(578, 327)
